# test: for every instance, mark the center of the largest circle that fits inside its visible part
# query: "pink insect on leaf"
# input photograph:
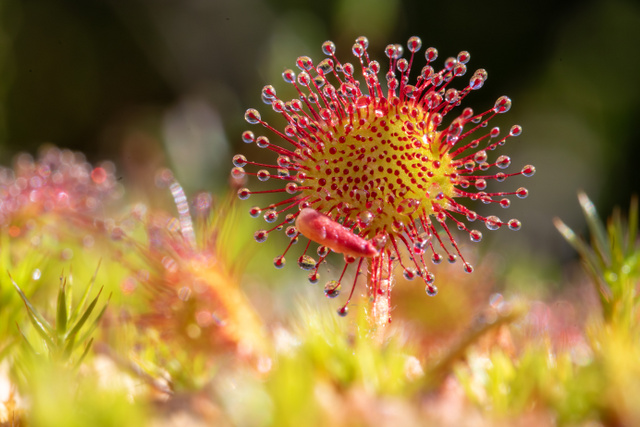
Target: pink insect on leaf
(325, 231)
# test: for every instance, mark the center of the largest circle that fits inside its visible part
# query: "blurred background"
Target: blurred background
(151, 83)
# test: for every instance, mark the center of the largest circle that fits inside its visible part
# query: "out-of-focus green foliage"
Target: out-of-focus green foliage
(611, 259)
(63, 398)
(325, 358)
(595, 376)
(61, 339)
(538, 380)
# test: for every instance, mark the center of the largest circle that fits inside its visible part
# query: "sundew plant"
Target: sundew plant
(125, 308)
(378, 166)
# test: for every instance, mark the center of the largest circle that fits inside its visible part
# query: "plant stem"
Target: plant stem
(381, 281)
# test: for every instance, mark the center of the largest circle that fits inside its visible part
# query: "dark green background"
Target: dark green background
(148, 83)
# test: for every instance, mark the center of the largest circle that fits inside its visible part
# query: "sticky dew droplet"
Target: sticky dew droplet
(522, 192)
(329, 48)
(252, 116)
(255, 211)
(306, 262)
(428, 278)
(514, 224)
(410, 273)
(431, 54)
(279, 262)
(475, 235)
(291, 232)
(528, 170)
(502, 105)
(408, 206)
(480, 156)
(477, 79)
(248, 137)
(270, 216)
(244, 193)
(289, 76)
(515, 130)
(237, 172)
(397, 226)
(239, 160)
(493, 222)
(291, 188)
(332, 288)
(322, 251)
(503, 162)
(314, 277)
(414, 44)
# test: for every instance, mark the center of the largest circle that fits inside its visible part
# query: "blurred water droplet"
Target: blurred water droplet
(260, 236)
(410, 273)
(306, 262)
(493, 222)
(291, 232)
(332, 288)
(237, 173)
(503, 162)
(431, 54)
(480, 184)
(414, 44)
(291, 188)
(522, 192)
(480, 156)
(496, 300)
(328, 48)
(408, 206)
(244, 193)
(252, 116)
(184, 293)
(270, 215)
(475, 235)
(279, 261)
(502, 105)
(464, 57)
(528, 170)
(255, 211)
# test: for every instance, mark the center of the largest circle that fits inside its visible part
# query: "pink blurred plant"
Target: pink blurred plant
(195, 297)
(58, 181)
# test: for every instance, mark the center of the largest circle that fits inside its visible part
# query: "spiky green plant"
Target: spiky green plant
(611, 259)
(61, 339)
